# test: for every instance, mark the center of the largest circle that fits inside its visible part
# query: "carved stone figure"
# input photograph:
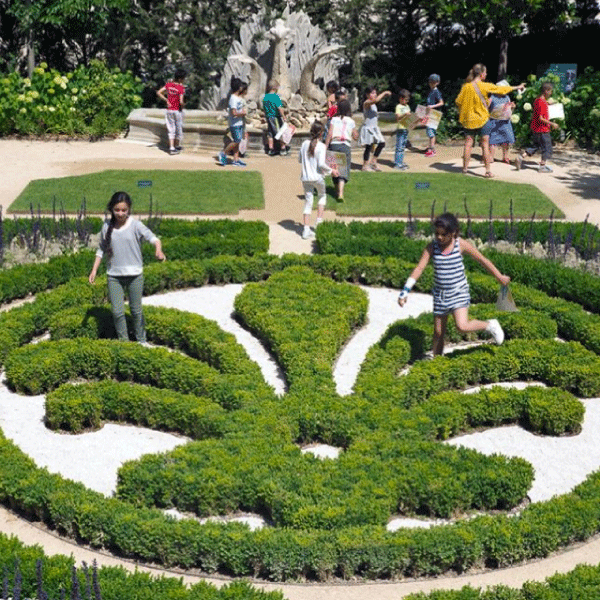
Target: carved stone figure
(291, 50)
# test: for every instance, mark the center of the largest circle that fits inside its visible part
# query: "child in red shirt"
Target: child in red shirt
(175, 91)
(540, 127)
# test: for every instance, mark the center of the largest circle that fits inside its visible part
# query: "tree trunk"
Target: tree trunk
(503, 59)
(30, 55)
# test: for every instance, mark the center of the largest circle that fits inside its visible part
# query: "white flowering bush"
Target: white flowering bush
(93, 100)
(583, 110)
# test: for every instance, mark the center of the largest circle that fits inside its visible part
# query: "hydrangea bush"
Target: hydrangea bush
(92, 100)
(583, 116)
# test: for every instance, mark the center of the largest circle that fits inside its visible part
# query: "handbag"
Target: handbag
(502, 112)
(505, 300)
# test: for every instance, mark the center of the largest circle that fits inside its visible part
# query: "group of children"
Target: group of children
(122, 235)
(496, 108)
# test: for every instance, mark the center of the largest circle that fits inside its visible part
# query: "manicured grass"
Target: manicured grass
(369, 194)
(173, 192)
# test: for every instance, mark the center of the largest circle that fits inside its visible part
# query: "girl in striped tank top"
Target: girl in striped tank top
(450, 286)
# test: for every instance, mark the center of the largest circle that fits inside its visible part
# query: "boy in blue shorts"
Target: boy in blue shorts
(434, 101)
(275, 117)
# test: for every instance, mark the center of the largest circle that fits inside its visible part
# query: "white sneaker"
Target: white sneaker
(495, 330)
(307, 233)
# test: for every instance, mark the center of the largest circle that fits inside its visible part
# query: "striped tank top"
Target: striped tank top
(448, 269)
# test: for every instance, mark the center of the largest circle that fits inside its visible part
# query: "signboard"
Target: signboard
(567, 73)
(144, 183)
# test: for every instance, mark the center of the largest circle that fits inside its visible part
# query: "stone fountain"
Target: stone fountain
(289, 49)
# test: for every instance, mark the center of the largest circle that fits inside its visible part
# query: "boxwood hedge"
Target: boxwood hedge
(328, 517)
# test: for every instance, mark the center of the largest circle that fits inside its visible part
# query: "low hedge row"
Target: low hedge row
(395, 238)
(76, 408)
(181, 240)
(582, 583)
(189, 333)
(37, 575)
(540, 410)
(42, 367)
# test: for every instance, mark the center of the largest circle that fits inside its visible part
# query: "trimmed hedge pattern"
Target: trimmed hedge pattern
(331, 514)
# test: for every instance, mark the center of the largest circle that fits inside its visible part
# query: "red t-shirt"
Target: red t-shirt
(332, 111)
(174, 92)
(540, 109)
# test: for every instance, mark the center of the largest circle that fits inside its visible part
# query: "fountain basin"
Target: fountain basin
(207, 130)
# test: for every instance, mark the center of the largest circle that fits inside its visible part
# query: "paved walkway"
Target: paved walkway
(574, 187)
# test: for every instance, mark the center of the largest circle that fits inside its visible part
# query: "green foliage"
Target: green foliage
(329, 515)
(92, 101)
(173, 192)
(583, 114)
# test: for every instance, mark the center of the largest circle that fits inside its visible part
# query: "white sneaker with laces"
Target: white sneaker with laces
(495, 330)
(307, 233)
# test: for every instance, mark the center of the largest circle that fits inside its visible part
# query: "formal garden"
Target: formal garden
(243, 442)
(326, 519)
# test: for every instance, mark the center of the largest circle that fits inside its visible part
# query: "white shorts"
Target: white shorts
(310, 187)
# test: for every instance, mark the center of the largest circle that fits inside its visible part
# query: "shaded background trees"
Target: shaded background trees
(390, 43)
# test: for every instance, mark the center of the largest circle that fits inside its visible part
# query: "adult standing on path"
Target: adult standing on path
(474, 115)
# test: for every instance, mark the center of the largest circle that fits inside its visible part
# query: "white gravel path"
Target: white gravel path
(94, 458)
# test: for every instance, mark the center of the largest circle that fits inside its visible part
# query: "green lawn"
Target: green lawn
(369, 194)
(173, 192)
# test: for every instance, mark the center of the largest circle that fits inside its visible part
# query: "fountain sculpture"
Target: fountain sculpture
(290, 49)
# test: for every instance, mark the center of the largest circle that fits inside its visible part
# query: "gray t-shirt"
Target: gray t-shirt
(126, 245)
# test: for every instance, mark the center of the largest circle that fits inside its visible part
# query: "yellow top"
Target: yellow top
(402, 109)
(472, 113)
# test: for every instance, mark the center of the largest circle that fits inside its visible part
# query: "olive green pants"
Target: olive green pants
(134, 286)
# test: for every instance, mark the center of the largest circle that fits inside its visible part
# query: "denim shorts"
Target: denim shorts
(237, 133)
(485, 129)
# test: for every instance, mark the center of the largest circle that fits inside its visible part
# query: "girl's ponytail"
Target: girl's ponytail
(476, 71)
(316, 133)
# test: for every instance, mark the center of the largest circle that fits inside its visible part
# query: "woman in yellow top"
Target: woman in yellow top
(473, 113)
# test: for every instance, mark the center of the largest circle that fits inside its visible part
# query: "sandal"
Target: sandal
(489, 175)
(506, 160)
(465, 171)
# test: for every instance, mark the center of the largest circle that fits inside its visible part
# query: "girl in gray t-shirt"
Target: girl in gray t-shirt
(121, 242)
